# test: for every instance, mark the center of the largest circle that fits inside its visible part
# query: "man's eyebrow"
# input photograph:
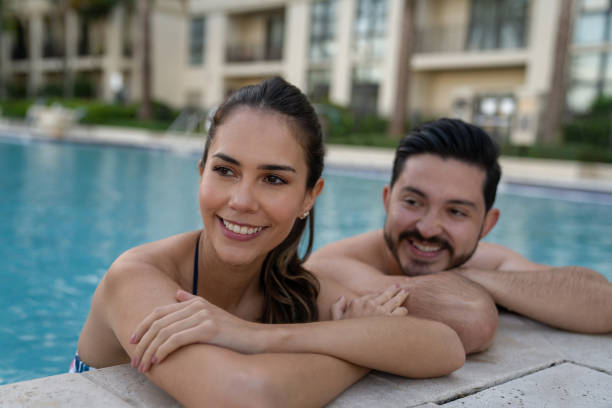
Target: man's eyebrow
(463, 202)
(268, 167)
(413, 190)
(454, 201)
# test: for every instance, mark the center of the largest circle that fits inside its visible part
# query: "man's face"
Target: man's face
(435, 214)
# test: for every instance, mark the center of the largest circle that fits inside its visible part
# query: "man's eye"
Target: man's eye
(458, 213)
(272, 179)
(411, 202)
(224, 171)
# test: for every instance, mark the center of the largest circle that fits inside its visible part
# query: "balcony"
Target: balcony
(256, 37)
(253, 53)
(465, 38)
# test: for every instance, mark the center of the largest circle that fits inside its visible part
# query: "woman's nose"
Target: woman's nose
(243, 198)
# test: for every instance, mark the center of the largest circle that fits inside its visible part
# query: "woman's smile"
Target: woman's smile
(240, 232)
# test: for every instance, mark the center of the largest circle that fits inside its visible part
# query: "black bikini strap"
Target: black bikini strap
(195, 268)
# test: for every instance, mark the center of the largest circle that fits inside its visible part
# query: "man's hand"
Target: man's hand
(387, 303)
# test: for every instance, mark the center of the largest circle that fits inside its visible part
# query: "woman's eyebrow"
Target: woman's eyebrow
(268, 167)
(276, 167)
(227, 158)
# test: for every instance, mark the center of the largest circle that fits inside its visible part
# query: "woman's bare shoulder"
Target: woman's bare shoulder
(169, 256)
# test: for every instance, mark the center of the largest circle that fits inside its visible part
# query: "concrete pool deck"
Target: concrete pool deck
(528, 365)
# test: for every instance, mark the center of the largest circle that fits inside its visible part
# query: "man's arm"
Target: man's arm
(444, 297)
(570, 298)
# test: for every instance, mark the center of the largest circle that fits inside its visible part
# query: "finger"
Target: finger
(157, 313)
(338, 308)
(400, 311)
(387, 294)
(184, 311)
(396, 300)
(177, 340)
(150, 355)
(183, 296)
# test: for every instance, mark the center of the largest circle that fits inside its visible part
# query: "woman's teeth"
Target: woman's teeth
(242, 230)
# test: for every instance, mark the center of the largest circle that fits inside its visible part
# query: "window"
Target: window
(322, 30)
(364, 92)
(197, 34)
(591, 68)
(370, 28)
(497, 24)
(275, 33)
(495, 113)
(318, 85)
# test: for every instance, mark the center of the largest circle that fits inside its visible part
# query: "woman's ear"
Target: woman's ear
(312, 194)
(200, 167)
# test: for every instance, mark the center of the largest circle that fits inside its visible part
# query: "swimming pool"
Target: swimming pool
(67, 211)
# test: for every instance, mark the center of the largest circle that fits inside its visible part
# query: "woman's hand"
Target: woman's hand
(387, 303)
(192, 320)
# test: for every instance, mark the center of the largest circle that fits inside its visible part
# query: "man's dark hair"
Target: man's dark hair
(453, 139)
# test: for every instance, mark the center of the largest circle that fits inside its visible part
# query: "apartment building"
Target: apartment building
(44, 41)
(486, 61)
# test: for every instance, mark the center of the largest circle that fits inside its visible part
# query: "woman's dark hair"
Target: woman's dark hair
(455, 139)
(290, 291)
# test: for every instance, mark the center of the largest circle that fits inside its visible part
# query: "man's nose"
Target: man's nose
(429, 224)
(243, 198)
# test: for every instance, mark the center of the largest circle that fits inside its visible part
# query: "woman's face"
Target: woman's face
(253, 186)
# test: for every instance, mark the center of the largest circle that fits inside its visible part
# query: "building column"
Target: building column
(71, 31)
(113, 51)
(341, 79)
(35, 80)
(5, 59)
(541, 45)
(214, 56)
(386, 98)
(297, 33)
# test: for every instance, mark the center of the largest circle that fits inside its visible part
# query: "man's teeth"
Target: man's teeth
(426, 248)
(241, 230)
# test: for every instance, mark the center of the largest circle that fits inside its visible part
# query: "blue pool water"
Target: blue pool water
(67, 211)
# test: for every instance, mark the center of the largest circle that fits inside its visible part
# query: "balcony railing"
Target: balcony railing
(459, 38)
(253, 53)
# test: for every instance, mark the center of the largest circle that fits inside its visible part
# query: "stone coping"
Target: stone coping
(528, 365)
(578, 176)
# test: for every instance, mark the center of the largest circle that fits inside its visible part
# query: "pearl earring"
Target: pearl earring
(303, 216)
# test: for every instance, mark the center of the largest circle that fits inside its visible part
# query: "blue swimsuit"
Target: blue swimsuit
(78, 366)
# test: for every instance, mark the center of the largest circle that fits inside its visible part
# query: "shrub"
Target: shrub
(84, 87)
(52, 89)
(593, 128)
(16, 89)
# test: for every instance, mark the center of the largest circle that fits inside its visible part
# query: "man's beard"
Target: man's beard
(454, 261)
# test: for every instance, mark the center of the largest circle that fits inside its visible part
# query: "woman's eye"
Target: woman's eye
(224, 171)
(272, 179)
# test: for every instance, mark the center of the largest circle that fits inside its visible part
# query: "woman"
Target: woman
(260, 175)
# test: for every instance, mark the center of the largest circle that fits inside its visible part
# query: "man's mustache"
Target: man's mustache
(416, 235)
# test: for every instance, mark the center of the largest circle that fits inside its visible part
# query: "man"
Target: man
(439, 205)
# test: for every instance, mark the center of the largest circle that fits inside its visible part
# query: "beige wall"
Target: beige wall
(440, 88)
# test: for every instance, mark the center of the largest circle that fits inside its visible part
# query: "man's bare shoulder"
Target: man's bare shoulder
(493, 257)
(357, 263)
(363, 247)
